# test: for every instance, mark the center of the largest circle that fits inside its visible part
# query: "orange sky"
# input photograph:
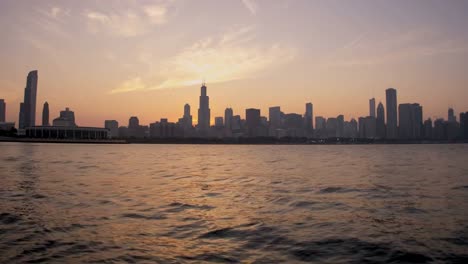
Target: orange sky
(116, 59)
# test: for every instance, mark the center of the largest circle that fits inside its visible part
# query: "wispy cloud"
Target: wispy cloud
(251, 5)
(367, 50)
(130, 23)
(232, 56)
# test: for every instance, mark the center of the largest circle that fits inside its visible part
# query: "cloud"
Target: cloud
(251, 5)
(230, 56)
(131, 23)
(130, 85)
(368, 50)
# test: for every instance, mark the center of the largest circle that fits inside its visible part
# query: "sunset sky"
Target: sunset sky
(115, 59)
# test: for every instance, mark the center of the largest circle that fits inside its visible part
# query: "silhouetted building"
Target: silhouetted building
(204, 112)
(392, 129)
(28, 110)
(309, 119)
(45, 115)
(332, 127)
(66, 119)
(228, 114)
(367, 127)
(2, 110)
(410, 121)
(113, 127)
(372, 107)
(187, 118)
(67, 132)
(320, 127)
(439, 131)
(350, 129)
(380, 121)
(464, 125)
(340, 126)
(236, 125)
(252, 118)
(293, 123)
(451, 115)
(427, 129)
(274, 115)
(165, 129)
(219, 122)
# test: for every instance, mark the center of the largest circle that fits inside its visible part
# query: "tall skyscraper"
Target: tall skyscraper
(380, 121)
(45, 114)
(451, 116)
(2, 110)
(228, 114)
(372, 107)
(392, 119)
(29, 104)
(309, 118)
(204, 111)
(274, 115)
(187, 116)
(410, 121)
(252, 118)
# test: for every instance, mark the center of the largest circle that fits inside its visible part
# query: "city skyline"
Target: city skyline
(149, 58)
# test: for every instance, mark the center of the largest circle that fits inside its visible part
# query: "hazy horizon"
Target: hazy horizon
(116, 59)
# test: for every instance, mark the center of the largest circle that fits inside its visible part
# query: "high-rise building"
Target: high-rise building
(2, 110)
(29, 104)
(451, 116)
(427, 129)
(309, 118)
(274, 116)
(340, 126)
(367, 127)
(392, 116)
(320, 127)
(410, 116)
(113, 127)
(45, 114)
(252, 118)
(187, 118)
(332, 127)
(66, 119)
(204, 112)
(228, 114)
(219, 122)
(133, 122)
(351, 129)
(380, 121)
(372, 107)
(464, 125)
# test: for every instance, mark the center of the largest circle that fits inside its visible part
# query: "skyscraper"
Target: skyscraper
(45, 114)
(451, 116)
(380, 121)
(410, 121)
(187, 118)
(309, 118)
(274, 115)
(372, 107)
(219, 122)
(252, 118)
(28, 112)
(2, 110)
(228, 114)
(21, 123)
(204, 111)
(392, 129)
(464, 125)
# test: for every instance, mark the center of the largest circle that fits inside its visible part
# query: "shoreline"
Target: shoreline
(237, 141)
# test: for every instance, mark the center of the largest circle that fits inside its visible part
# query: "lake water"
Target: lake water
(231, 203)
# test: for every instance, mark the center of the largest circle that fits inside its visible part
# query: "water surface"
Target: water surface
(217, 203)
